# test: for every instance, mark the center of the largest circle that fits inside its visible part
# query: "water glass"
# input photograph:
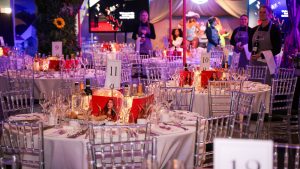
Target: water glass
(175, 164)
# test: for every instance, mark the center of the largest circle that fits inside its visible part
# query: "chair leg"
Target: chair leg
(14, 162)
(1, 163)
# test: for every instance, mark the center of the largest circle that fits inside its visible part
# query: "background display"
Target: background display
(115, 15)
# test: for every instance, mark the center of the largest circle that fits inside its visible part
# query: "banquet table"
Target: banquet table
(261, 93)
(43, 83)
(173, 142)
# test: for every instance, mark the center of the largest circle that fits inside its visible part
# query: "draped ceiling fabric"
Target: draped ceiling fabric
(159, 9)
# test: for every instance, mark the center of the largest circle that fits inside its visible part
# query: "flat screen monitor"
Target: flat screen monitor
(115, 15)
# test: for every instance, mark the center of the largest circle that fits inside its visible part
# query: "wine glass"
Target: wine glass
(43, 102)
(175, 164)
(149, 164)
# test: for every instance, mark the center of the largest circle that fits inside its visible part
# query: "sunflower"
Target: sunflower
(59, 23)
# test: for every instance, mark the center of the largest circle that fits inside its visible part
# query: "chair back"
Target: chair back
(3, 64)
(284, 73)
(206, 130)
(13, 102)
(282, 94)
(286, 156)
(241, 107)
(20, 79)
(23, 142)
(100, 75)
(126, 75)
(257, 73)
(216, 58)
(118, 133)
(155, 74)
(179, 98)
(124, 154)
(219, 94)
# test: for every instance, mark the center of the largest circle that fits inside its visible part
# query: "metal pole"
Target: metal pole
(79, 29)
(184, 32)
(170, 21)
(12, 6)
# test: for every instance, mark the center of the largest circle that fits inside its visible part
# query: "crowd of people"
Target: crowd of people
(264, 37)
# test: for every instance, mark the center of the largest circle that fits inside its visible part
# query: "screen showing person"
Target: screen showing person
(114, 15)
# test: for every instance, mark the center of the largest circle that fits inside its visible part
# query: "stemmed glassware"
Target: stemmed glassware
(44, 102)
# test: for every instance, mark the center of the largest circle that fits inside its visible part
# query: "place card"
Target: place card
(113, 74)
(243, 154)
(57, 48)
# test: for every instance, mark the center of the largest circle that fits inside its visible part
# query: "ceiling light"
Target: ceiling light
(199, 1)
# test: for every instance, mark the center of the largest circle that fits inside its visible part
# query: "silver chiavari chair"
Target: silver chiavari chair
(173, 67)
(118, 133)
(155, 74)
(179, 98)
(103, 136)
(216, 57)
(219, 95)
(282, 124)
(20, 79)
(286, 156)
(241, 107)
(206, 130)
(13, 102)
(259, 124)
(144, 57)
(126, 75)
(283, 73)
(100, 74)
(257, 73)
(3, 64)
(22, 144)
(125, 154)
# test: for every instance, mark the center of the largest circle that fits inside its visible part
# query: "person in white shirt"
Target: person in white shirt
(177, 38)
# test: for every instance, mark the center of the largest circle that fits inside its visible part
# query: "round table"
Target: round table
(42, 83)
(201, 105)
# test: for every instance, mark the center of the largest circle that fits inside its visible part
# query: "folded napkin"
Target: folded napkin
(269, 59)
(27, 117)
(162, 129)
(248, 54)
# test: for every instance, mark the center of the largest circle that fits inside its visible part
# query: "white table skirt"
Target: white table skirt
(41, 84)
(200, 104)
(66, 153)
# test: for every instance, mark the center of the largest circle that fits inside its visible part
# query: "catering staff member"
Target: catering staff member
(239, 38)
(264, 37)
(144, 33)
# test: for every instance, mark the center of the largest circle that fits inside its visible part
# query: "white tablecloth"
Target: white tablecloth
(68, 153)
(41, 84)
(200, 104)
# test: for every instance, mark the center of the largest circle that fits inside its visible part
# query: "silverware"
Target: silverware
(81, 132)
(176, 125)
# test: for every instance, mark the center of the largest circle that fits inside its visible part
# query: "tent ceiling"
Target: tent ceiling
(210, 8)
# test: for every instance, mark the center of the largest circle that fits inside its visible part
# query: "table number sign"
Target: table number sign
(113, 74)
(243, 154)
(57, 48)
(205, 61)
